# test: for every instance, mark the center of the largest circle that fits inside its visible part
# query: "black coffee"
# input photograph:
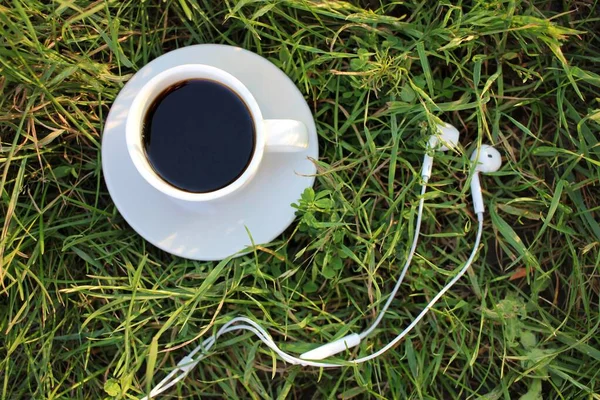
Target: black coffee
(198, 135)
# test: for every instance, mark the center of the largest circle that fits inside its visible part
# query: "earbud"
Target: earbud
(487, 159)
(446, 138)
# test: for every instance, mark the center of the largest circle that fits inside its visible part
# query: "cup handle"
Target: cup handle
(285, 136)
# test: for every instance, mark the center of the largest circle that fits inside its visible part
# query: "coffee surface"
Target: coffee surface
(198, 136)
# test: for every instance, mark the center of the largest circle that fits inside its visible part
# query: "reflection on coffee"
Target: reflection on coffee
(198, 135)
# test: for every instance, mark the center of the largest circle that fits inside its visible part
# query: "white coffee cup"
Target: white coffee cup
(271, 135)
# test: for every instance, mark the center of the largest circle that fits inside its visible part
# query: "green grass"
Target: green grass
(83, 297)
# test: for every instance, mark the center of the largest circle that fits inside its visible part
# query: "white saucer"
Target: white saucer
(263, 207)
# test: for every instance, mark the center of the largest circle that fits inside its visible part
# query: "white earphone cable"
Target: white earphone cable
(437, 296)
(411, 253)
(187, 363)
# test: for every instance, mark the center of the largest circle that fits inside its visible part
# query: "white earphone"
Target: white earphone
(486, 159)
(444, 139)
